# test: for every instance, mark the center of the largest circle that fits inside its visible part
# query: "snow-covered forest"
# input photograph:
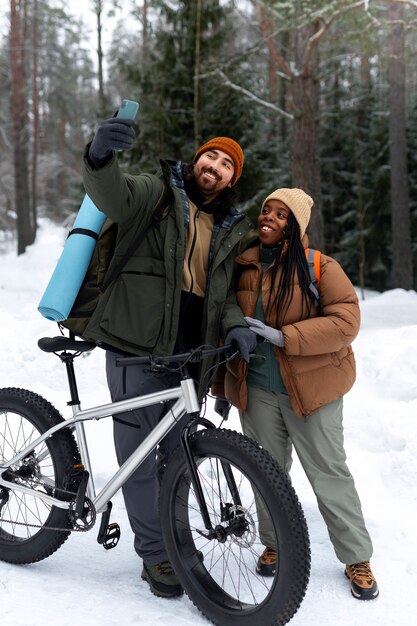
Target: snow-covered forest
(321, 95)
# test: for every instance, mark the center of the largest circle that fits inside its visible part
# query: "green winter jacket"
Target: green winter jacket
(139, 312)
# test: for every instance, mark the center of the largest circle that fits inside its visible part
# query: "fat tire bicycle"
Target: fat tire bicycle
(216, 490)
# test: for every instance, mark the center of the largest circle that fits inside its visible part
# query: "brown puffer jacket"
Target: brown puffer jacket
(317, 363)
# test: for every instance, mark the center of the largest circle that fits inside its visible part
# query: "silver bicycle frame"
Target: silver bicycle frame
(186, 402)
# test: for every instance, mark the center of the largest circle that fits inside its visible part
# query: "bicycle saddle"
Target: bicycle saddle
(54, 344)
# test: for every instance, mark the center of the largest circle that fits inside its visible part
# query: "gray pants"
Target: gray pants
(318, 441)
(141, 490)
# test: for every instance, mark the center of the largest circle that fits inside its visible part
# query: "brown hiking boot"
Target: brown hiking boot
(267, 562)
(362, 582)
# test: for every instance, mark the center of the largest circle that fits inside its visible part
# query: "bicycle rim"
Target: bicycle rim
(220, 574)
(22, 515)
(30, 529)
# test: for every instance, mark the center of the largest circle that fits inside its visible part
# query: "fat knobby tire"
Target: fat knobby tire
(271, 483)
(37, 412)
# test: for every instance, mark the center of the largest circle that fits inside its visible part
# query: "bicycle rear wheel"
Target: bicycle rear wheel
(219, 573)
(24, 519)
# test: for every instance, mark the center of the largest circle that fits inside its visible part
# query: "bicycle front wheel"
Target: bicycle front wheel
(219, 570)
(30, 529)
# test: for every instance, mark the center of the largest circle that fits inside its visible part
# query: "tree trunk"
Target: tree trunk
(197, 50)
(305, 165)
(35, 96)
(304, 101)
(20, 120)
(144, 47)
(402, 270)
(98, 7)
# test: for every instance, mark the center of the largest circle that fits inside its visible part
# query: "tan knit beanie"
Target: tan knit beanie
(230, 147)
(297, 201)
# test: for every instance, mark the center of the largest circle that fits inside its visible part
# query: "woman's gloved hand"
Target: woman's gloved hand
(267, 332)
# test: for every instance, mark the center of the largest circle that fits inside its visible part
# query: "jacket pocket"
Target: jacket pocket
(305, 364)
(135, 309)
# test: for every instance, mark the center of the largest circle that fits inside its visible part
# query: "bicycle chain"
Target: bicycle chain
(64, 530)
(74, 528)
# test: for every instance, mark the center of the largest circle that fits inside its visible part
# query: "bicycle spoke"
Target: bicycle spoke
(247, 497)
(31, 529)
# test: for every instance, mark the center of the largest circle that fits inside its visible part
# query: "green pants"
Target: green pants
(318, 441)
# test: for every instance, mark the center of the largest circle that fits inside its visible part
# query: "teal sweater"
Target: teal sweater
(265, 374)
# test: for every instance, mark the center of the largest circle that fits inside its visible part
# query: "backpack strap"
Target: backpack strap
(84, 231)
(313, 262)
(160, 207)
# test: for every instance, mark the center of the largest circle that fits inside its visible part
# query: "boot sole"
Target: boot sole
(175, 593)
(370, 596)
(365, 594)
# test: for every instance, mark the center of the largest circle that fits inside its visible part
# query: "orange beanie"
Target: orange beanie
(230, 147)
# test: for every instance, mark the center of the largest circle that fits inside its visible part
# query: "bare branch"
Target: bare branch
(314, 40)
(273, 50)
(412, 3)
(248, 94)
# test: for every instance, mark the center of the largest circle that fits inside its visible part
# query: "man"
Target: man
(173, 294)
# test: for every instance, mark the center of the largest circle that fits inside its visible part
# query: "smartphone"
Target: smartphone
(128, 108)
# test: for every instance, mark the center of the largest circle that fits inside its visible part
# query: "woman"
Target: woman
(294, 396)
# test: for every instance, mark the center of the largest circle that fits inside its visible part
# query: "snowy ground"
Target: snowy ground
(85, 585)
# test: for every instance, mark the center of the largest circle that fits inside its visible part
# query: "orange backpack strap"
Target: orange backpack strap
(313, 262)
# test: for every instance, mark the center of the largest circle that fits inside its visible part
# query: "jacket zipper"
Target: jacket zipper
(196, 215)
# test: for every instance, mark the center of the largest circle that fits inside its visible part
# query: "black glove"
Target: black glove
(244, 338)
(116, 133)
(222, 407)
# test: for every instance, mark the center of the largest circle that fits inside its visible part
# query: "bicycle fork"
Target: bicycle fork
(219, 532)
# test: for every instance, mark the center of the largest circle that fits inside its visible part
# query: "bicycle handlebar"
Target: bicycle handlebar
(77, 347)
(193, 356)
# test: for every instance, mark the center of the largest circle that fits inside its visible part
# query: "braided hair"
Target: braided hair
(294, 260)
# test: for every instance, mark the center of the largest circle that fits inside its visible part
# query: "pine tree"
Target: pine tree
(168, 79)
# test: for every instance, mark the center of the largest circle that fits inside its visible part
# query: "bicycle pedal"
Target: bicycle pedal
(112, 536)
(109, 534)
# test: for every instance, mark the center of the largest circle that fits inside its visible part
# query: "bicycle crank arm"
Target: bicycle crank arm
(81, 493)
